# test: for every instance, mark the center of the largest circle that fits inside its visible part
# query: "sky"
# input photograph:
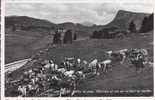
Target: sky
(96, 13)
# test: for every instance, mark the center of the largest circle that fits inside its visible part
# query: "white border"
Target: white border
(2, 48)
(78, 1)
(61, 1)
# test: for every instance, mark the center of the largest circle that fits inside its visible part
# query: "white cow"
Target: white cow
(93, 63)
(121, 52)
(69, 73)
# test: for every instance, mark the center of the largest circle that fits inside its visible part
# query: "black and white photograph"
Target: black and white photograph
(79, 49)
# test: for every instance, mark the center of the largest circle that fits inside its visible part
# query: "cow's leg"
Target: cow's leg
(73, 92)
(74, 88)
(102, 67)
(105, 67)
(137, 67)
(97, 69)
(142, 66)
(61, 92)
(123, 59)
(110, 66)
(25, 93)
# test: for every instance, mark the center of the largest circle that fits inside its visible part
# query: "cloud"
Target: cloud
(97, 13)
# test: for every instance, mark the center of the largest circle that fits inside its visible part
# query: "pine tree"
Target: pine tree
(75, 36)
(132, 27)
(144, 25)
(147, 24)
(57, 38)
(68, 37)
(150, 22)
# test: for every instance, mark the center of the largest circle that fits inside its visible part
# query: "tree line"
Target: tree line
(67, 38)
(146, 26)
(113, 32)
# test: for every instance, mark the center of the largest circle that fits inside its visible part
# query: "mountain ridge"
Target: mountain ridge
(121, 15)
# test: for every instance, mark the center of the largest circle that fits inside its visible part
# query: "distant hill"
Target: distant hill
(123, 18)
(27, 22)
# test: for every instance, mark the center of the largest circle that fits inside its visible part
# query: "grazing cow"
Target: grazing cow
(69, 73)
(104, 65)
(94, 66)
(137, 58)
(80, 74)
(118, 55)
(22, 91)
(93, 63)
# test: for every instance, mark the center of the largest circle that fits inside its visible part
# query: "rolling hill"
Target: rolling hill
(27, 22)
(123, 18)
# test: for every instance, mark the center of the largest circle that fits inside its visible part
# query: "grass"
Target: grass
(122, 77)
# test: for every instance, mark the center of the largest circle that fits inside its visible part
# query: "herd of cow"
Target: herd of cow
(64, 78)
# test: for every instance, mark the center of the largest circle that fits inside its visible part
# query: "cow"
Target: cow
(22, 91)
(138, 57)
(80, 74)
(93, 63)
(118, 55)
(69, 73)
(94, 66)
